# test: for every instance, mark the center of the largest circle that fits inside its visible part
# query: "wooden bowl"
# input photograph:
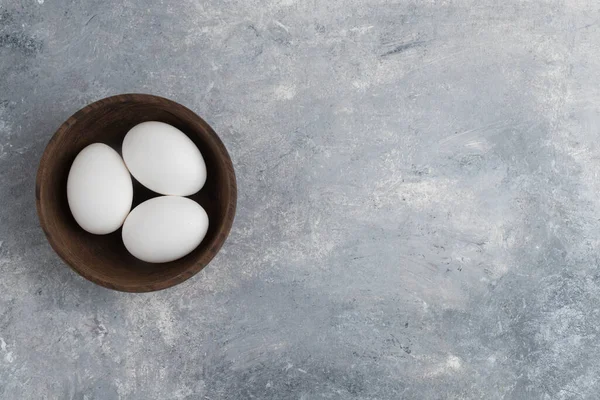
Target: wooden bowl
(103, 259)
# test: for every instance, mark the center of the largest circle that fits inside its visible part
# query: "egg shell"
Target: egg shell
(164, 159)
(164, 228)
(99, 189)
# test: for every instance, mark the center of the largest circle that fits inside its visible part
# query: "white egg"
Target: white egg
(164, 159)
(164, 228)
(99, 189)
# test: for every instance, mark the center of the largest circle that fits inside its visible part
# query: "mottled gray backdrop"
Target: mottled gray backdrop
(418, 212)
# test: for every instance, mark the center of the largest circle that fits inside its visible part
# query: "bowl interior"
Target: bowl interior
(103, 258)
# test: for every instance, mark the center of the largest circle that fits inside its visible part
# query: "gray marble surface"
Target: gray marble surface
(418, 211)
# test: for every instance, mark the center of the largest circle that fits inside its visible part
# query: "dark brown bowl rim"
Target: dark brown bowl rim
(221, 234)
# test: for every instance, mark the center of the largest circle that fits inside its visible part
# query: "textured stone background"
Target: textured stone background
(418, 214)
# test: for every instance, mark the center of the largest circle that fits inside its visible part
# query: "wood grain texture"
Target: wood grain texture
(103, 259)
